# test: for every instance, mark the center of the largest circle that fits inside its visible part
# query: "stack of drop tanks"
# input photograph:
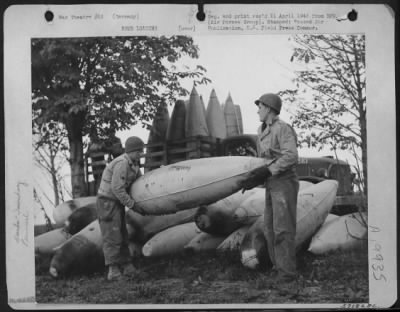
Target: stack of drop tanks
(313, 206)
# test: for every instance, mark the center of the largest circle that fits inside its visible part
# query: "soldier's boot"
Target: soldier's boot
(273, 273)
(283, 278)
(129, 270)
(114, 273)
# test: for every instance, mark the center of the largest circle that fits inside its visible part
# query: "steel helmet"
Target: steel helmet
(272, 100)
(133, 144)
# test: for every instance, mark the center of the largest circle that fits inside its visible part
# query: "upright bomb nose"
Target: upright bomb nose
(215, 117)
(195, 121)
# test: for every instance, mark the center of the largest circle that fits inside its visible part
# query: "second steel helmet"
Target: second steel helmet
(272, 100)
(133, 144)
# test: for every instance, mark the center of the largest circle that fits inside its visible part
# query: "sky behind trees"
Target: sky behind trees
(246, 66)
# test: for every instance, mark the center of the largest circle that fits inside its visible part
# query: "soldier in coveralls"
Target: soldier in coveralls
(278, 143)
(112, 198)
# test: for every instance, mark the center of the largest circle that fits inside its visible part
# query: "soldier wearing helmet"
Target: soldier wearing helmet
(112, 198)
(278, 144)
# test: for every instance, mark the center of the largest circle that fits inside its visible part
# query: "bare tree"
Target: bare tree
(329, 103)
(50, 154)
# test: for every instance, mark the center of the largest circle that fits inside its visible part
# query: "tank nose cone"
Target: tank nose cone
(146, 250)
(203, 221)
(249, 258)
(316, 246)
(240, 214)
(53, 272)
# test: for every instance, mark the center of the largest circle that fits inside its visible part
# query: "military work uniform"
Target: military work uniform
(112, 198)
(278, 140)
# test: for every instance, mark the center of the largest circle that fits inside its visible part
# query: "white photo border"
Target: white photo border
(24, 22)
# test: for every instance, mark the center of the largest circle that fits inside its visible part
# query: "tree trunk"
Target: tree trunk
(74, 126)
(49, 226)
(363, 124)
(53, 172)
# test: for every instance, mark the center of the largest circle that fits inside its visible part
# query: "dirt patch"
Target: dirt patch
(212, 278)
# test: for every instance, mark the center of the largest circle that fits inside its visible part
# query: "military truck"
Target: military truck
(312, 169)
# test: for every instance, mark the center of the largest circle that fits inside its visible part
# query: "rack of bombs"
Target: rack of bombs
(192, 131)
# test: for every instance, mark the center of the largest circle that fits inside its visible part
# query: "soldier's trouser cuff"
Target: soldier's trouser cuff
(115, 239)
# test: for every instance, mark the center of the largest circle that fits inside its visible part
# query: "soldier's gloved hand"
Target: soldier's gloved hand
(260, 173)
(249, 184)
(256, 177)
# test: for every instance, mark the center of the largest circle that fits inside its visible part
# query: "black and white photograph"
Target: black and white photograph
(230, 162)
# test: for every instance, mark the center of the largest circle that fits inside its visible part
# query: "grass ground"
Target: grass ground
(211, 278)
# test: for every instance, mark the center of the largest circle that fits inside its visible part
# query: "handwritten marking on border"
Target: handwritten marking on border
(377, 261)
(21, 218)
